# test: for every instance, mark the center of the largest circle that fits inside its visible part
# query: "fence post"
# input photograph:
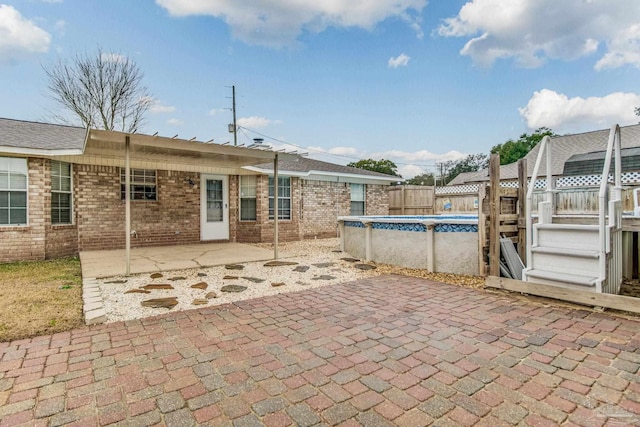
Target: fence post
(482, 229)
(494, 215)
(522, 201)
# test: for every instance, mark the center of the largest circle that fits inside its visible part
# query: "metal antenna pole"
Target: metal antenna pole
(235, 126)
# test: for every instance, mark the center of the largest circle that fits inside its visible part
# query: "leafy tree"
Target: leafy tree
(102, 90)
(422, 179)
(452, 168)
(511, 151)
(637, 111)
(382, 166)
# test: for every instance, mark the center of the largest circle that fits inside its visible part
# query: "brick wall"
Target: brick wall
(377, 200)
(27, 243)
(99, 214)
(173, 219)
(262, 230)
(61, 240)
(323, 203)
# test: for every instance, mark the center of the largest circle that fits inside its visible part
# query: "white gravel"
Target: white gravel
(120, 306)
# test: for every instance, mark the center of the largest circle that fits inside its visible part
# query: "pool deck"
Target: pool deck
(355, 354)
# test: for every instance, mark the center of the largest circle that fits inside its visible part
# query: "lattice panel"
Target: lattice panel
(629, 178)
(458, 189)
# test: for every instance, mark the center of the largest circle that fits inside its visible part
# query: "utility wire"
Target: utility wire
(324, 153)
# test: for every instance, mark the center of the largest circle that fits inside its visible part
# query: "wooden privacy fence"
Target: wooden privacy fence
(411, 200)
(421, 200)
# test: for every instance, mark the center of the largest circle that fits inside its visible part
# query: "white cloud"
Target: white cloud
(20, 36)
(410, 163)
(532, 31)
(401, 60)
(175, 122)
(278, 23)
(255, 122)
(157, 107)
(113, 57)
(563, 114)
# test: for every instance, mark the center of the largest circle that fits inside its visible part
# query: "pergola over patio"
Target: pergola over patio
(111, 148)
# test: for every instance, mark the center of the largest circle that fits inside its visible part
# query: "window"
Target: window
(358, 196)
(13, 191)
(142, 185)
(284, 197)
(248, 198)
(60, 192)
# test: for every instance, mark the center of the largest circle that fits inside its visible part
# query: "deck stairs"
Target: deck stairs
(577, 256)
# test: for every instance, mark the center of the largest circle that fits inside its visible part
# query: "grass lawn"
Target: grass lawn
(40, 297)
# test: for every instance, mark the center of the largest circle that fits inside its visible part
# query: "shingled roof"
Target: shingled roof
(306, 167)
(19, 135)
(563, 147)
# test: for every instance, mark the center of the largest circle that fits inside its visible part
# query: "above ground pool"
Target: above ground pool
(438, 243)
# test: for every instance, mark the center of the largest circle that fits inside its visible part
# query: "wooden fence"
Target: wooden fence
(411, 200)
(421, 200)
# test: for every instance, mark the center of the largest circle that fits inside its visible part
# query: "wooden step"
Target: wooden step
(572, 279)
(579, 253)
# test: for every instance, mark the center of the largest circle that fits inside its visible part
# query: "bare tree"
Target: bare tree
(104, 91)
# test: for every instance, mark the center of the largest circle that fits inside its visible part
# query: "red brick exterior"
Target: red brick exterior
(323, 202)
(173, 219)
(99, 214)
(262, 229)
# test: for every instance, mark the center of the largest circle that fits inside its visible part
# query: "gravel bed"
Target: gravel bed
(121, 306)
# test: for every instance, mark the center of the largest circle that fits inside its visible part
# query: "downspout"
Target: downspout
(127, 204)
(275, 206)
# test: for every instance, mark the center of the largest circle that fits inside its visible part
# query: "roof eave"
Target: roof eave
(311, 173)
(40, 152)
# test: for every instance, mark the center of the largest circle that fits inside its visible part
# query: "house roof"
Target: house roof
(319, 170)
(32, 137)
(592, 163)
(563, 147)
(107, 148)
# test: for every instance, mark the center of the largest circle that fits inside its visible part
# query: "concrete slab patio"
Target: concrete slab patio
(389, 350)
(163, 258)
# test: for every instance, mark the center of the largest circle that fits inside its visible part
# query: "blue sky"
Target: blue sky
(414, 81)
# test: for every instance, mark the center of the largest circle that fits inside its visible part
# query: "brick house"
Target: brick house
(62, 190)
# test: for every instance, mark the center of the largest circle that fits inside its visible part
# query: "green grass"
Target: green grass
(40, 297)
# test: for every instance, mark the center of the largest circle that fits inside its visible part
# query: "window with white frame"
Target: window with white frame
(61, 198)
(142, 184)
(13, 191)
(248, 198)
(358, 197)
(284, 197)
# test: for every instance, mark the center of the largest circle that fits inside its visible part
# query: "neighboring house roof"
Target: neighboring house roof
(470, 177)
(592, 163)
(563, 147)
(324, 171)
(40, 138)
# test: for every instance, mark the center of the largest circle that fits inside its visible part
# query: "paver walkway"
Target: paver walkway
(388, 350)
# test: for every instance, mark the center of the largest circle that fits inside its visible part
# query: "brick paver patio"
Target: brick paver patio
(389, 350)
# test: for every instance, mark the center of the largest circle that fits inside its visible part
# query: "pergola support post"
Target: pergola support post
(275, 207)
(127, 204)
